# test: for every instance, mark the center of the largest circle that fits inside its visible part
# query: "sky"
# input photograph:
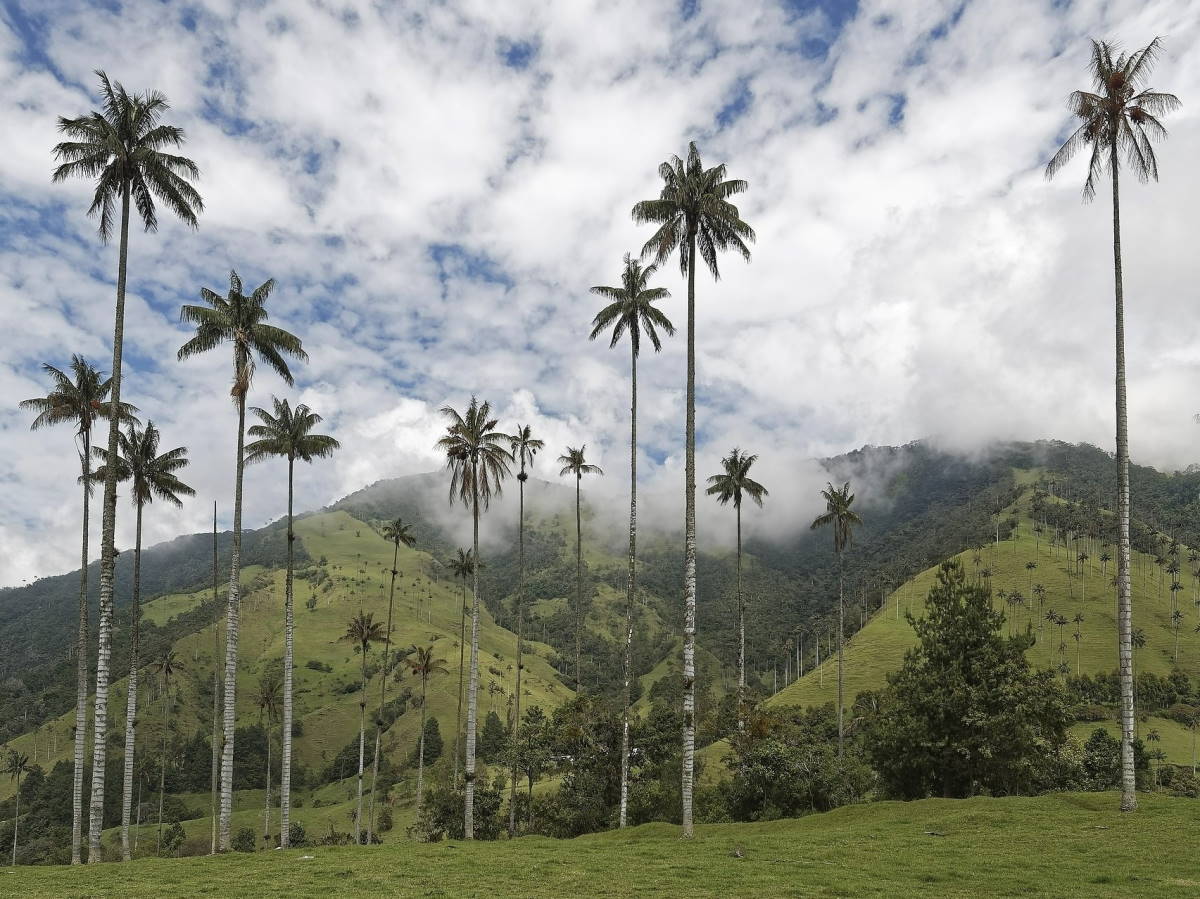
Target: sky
(436, 186)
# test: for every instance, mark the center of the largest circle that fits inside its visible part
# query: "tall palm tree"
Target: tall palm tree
(16, 764)
(397, 533)
(461, 567)
(362, 630)
(843, 520)
(574, 463)
(693, 213)
(123, 147)
(239, 320)
(631, 308)
(478, 464)
(421, 663)
(523, 447)
(166, 666)
(78, 399)
(152, 475)
(268, 699)
(1119, 118)
(288, 434)
(730, 486)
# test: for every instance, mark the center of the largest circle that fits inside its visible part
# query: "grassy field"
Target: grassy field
(880, 646)
(1062, 845)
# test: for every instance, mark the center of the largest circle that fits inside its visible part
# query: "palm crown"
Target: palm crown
(462, 565)
(694, 203)
(364, 630)
(123, 147)
(78, 398)
(138, 460)
(838, 514)
(523, 446)
(288, 433)
(269, 696)
(420, 661)
(735, 480)
(1119, 117)
(240, 320)
(398, 532)
(632, 308)
(573, 462)
(475, 453)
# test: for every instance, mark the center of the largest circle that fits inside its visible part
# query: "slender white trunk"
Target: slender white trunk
(1124, 588)
(421, 746)
(473, 680)
(81, 666)
(362, 740)
(462, 645)
(579, 619)
(741, 607)
(108, 557)
(285, 736)
(387, 651)
(689, 553)
(629, 599)
(267, 802)
(16, 818)
(516, 723)
(231, 637)
(131, 698)
(215, 774)
(840, 660)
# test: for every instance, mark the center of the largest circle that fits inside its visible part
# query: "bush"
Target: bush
(173, 837)
(316, 665)
(296, 835)
(385, 820)
(442, 817)
(243, 840)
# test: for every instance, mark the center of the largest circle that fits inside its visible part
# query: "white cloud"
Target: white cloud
(910, 279)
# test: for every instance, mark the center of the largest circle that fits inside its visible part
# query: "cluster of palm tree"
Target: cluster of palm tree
(130, 153)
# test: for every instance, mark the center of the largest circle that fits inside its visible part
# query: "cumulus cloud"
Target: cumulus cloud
(435, 187)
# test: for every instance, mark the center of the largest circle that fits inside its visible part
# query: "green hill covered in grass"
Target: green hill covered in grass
(1058, 845)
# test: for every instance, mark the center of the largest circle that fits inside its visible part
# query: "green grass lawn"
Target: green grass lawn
(1061, 845)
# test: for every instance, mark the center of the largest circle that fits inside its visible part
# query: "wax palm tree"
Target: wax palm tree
(287, 434)
(152, 475)
(362, 631)
(397, 533)
(1118, 119)
(78, 399)
(15, 765)
(693, 215)
(730, 486)
(461, 567)
(631, 309)
(269, 699)
(421, 663)
(123, 147)
(1031, 567)
(1177, 620)
(573, 462)
(523, 447)
(239, 320)
(166, 666)
(842, 519)
(478, 464)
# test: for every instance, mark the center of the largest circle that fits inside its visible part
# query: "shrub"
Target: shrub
(296, 835)
(317, 665)
(173, 837)
(243, 840)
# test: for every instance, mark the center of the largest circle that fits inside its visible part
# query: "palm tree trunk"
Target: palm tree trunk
(516, 725)
(741, 605)
(81, 666)
(108, 555)
(267, 801)
(362, 740)
(231, 635)
(16, 818)
(162, 780)
(473, 680)
(462, 637)
(421, 745)
(689, 551)
(216, 731)
(131, 699)
(628, 660)
(285, 736)
(841, 661)
(387, 651)
(578, 579)
(1124, 588)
